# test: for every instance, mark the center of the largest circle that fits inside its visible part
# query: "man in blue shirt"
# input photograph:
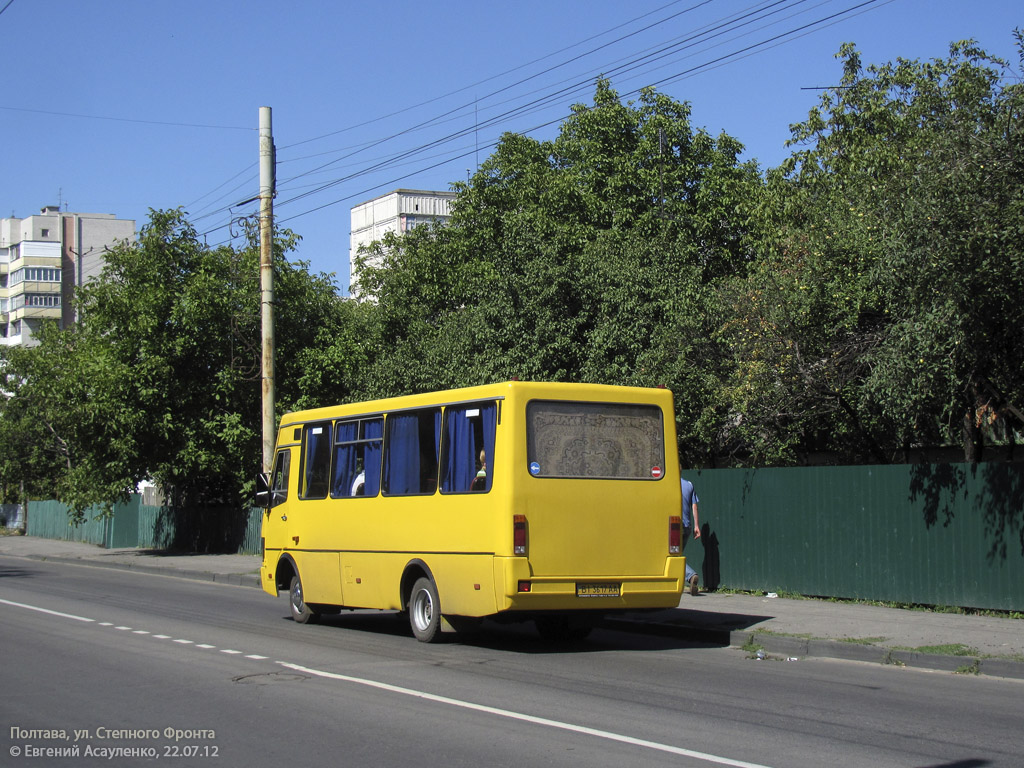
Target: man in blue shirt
(691, 524)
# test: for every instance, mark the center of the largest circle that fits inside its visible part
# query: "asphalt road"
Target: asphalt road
(204, 674)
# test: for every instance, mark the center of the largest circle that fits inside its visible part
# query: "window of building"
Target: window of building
(47, 300)
(36, 275)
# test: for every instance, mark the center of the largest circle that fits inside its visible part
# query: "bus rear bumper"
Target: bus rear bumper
(520, 590)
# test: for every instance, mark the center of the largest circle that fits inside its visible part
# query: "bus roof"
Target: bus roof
(500, 390)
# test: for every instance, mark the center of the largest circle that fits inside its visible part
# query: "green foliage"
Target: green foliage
(885, 311)
(160, 377)
(588, 258)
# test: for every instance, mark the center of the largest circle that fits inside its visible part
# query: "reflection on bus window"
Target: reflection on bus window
(279, 485)
(411, 452)
(316, 461)
(357, 455)
(468, 447)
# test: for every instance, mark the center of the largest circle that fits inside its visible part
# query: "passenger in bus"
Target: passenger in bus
(359, 484)
(480, 481)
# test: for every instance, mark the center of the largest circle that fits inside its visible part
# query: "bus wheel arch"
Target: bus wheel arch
(422, 602)
(286, 568)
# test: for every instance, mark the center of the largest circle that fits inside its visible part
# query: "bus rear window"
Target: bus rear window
(595, 440)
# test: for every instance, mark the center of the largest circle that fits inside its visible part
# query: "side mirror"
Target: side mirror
(263, 490)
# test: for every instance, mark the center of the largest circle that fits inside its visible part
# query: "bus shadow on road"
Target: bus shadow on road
(15, 572)
(664, 630)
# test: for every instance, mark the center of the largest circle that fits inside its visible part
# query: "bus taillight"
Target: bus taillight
(519, 534)
(675, 535)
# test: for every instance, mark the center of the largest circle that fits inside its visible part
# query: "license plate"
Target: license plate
(598, 590)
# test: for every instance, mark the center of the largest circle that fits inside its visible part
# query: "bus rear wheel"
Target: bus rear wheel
(301, 612)
(425, 611)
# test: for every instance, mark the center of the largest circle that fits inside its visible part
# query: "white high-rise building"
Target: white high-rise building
(398, 212)
(44, 259)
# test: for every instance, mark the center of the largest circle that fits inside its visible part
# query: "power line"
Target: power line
(513, 69)
(126, 119)
(751, 15)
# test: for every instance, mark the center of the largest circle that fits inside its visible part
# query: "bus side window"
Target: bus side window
(279, 485)
(468, 447)
(357, 451)
(411, 452)
(316, 470)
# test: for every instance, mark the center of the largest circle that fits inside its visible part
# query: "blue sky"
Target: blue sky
(119, 106)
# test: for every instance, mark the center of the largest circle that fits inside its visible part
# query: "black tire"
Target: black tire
(425, 611)
(559, 629)
(302, 613)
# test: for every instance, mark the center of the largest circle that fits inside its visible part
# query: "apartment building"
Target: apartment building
(44, 259)
(398, 211)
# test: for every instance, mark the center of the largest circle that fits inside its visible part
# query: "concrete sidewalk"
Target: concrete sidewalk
(242, 570)
(782, 628)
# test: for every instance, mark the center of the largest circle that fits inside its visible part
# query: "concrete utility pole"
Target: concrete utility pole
(267, 191)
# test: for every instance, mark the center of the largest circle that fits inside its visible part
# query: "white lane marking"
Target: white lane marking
(140, 632)
(231, 652)
(44, 610)
(205, 646)
(609, 735)
(255, 656)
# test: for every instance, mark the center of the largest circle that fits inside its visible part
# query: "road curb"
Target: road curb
(795, 647)
(778, 646)
(235, 579)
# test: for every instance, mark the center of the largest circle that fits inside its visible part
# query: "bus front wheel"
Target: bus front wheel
(425, 611)
(301, 612)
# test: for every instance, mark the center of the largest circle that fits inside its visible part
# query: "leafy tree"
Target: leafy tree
(588, 258)
(885, 310)
(159, 378)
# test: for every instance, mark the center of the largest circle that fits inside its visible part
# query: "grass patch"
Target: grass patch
(974, 668)
(863, 640)
(948, 649)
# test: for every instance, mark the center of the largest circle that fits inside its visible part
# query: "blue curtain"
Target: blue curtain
(429, 483)
(402, 458)
(371, 460)
(489, 415)
(462, 449)
(459, 461)
(345, 459)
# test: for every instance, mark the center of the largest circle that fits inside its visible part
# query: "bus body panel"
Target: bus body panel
(354, 551)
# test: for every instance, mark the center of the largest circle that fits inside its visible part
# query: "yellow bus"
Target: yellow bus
(557, 503)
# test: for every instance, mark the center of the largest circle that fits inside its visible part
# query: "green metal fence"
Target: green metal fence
(137, 525)
(935, 534)
(929, 534)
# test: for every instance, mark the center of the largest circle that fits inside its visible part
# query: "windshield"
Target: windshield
(595, 440)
